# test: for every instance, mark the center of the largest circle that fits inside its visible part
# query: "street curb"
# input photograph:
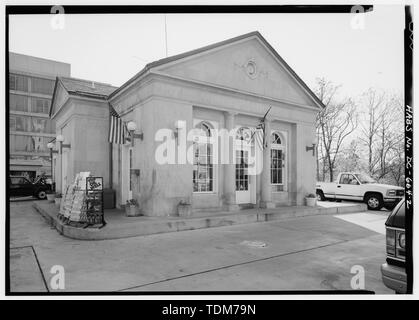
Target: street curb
(142, 228)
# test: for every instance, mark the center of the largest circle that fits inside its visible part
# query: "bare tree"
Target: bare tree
(334, 123)
(371, 104)
(396, 166)
(390, 135)
(381, 130)
(350, 159)
(325, 91)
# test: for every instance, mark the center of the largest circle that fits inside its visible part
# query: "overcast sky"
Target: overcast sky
(112, 48)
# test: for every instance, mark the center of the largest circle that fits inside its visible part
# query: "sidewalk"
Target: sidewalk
(119, 226)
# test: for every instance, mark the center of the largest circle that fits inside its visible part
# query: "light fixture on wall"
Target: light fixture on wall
(51, 146)
(60, 140)
(314, 142)
(132, 127)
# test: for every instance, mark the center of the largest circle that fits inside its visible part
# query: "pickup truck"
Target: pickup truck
(360, 187)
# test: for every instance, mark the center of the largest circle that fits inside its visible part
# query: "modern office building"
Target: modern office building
(31, 84)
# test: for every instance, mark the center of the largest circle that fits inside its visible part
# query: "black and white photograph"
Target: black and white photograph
(216, 150)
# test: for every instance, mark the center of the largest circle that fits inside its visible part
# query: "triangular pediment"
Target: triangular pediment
(59, 97)
(248, 64)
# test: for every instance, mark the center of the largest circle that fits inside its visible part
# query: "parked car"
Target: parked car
(22, 187)
(393, 271)
(360, 187)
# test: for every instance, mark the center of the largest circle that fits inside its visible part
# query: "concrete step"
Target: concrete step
(140, 226)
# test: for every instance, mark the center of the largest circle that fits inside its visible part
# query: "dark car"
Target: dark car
(394, 271)
(23, 187)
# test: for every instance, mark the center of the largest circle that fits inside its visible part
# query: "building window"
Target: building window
(242, 168)
(22, 143)
(243, 142)
(203, 170)
(12, 123)
(39, 125)
(18, 82)
(39, 144)
(277, 162)
(39, 105)
(30, 124)
(20, 123)
(43, 86)
(19, 103)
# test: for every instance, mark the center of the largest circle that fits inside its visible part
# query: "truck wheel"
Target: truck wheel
(41, 194)
(374, 201)
(320, 195)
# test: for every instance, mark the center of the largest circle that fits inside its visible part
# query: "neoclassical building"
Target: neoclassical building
(182, 103)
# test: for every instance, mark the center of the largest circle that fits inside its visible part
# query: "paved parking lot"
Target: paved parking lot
(310, 253)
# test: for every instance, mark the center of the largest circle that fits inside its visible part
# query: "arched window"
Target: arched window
(276, 139)
(277, 162)
(203, 170)
(203, 130)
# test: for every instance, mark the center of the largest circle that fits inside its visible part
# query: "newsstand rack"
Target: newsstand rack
(94, 202)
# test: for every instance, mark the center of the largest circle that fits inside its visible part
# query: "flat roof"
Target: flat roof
(38, 66)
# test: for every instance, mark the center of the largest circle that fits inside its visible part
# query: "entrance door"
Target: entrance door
(126, 163)
(242, 176)
(245, 165)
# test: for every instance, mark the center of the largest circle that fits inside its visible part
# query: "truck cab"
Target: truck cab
(360, 187)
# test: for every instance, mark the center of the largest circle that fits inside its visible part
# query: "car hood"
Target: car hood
(387, 186)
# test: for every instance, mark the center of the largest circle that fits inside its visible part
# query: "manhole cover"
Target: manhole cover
(254, 243)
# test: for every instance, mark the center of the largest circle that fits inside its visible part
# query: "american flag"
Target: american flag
(259, 135)
(118, 132)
